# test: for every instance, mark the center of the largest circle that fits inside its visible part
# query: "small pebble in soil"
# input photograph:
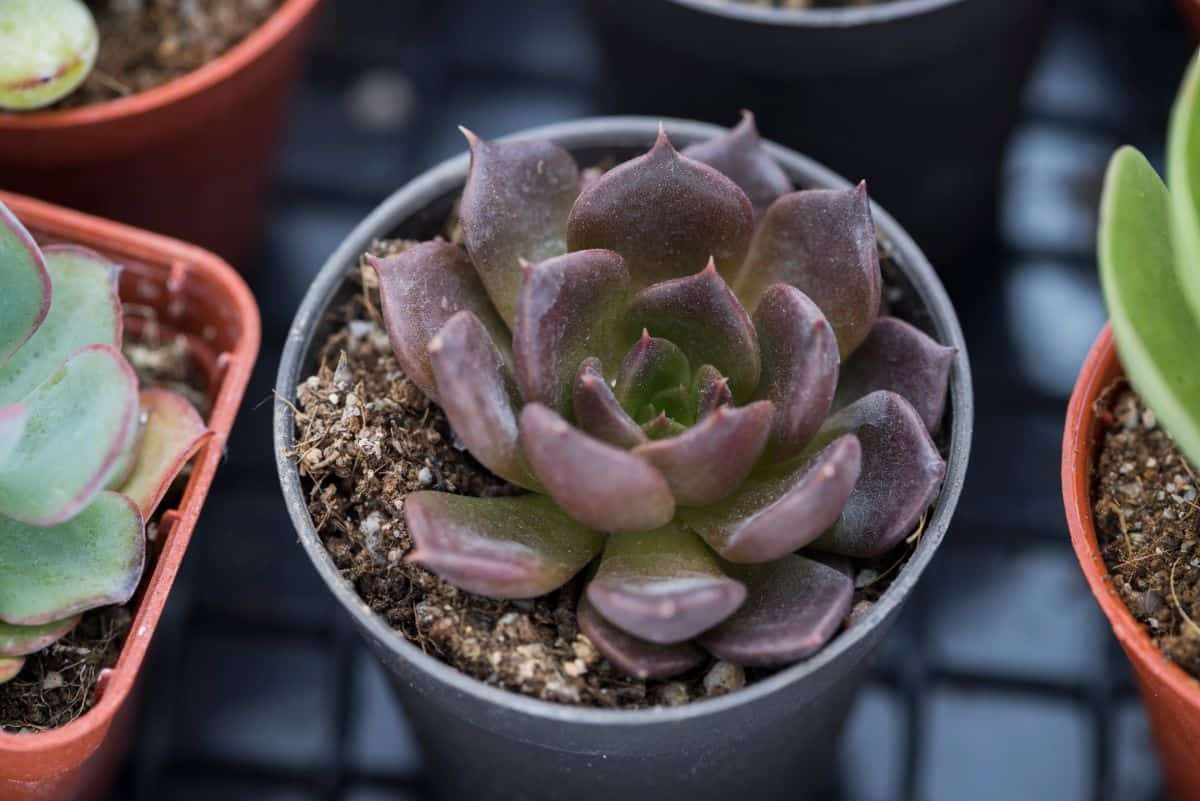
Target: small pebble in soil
(724, 677)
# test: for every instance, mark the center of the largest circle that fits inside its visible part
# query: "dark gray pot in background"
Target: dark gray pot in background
(916, 96)
(774, 739)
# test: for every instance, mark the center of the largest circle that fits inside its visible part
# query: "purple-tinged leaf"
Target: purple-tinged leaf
(708, 461)
(570, 308)
(662, 427)
(518, 547)
(902, 358)
(710, 390)
(605, 488)
(652, 365)
(793, 607)
(901, 474)
(662, 586)
(12, 426)
(25, 640)
(172, 434)
(701, 315)
(10, 667)
(666, 214)
(821, 241)
(514, 210)
(799, 367)
(420, 289)
(777, 514)
(739, 154)
(631, 656)
(25, 292)
(597, 411)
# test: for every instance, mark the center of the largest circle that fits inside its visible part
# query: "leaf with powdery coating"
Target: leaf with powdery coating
(603, 487)
(25, 640)
(774, 515)
(793, 607)
(10, 667)
(665, 214)
(569, 308)
(901, 474)
(904, 359)
(821, 241)
(599, 413)
(519, 547)
(172, 433)
(701, 315)
(25, 292)
(651, 366)
(710, 391)
(631, 656)
(12, 426)
(739, 154)
(710, 460)
(479, 396)
(514, 210)
(420, 289)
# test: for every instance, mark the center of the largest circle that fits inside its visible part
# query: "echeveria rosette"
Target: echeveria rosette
(85, 456)
(690, 374)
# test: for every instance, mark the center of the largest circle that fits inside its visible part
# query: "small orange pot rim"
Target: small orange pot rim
(278, 26)
(1099, 369)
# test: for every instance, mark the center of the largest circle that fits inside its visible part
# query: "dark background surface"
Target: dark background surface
(1002, 681)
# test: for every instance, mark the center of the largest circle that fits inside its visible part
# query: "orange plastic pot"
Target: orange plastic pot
(1171, 696)
(190, 158)
(194, 293)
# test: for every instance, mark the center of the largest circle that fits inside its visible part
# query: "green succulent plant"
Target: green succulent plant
(85, 457)
(682, 361)
(47, 49)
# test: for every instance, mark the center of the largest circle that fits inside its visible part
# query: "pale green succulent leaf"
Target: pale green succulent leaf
(10, 667)
(1183, 175)
(25, 293)
(25, 640)
(47, 48)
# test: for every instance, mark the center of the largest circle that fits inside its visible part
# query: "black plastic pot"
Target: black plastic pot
(773, 739)
(916, 96)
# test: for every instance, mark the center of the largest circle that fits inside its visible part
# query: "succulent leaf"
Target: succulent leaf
(514, 210)
(662, 427)
(47, 48)
(420, 289)
(634, 657)
(710, 391)
(800, 367)
(821, 241)
(10, 667)
(774, 515)
(172, 433)
(701, 315)
(662, 586)
(666, 214)
(519, 547)
(25, 640)
(93, 559)
(25, 298)
(793, 607)
(710, 460)
(651, 366)
(904, 359)
(80, 422)
(569, 308)
(739, 154)
(1183, 175)
(597, 411)
(603, 487)
(12, 426)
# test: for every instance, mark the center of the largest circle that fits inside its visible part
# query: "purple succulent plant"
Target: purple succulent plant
(683, 363)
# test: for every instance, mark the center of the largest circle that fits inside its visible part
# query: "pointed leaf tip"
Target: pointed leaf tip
(631, 656)
(598, 412)
(740, 155)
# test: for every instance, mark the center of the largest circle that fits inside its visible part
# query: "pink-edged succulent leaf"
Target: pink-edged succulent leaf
(901, 474)
(821, 241)
(904, 359)
(651, 366)
(710, 391)
(480, 396)
(663, 586)
(603, 487)
(666, 214)
(599, 413)
(514, 210)
(172, 433)
(94, 559)
(420, 289)
(793, 607)
(518, 547)
(25, 640)
(80, 423)
(799, 367)
(779, 513)
(570, 308)
(701, 315)
(10, 667)
(85, 311)
(24, 285)
(710, 460)
(662, 427)
(631, 656)
(12, 427)
(739, 154)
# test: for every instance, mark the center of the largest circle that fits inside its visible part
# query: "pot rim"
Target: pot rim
(449, 176)
(264, 38)
(846, 17)
(1099, 370)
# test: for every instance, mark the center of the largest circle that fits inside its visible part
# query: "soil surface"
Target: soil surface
(147, 43)
(1148, 524)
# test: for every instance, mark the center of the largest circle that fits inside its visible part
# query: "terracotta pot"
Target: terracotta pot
(198, 295)
(190, 158)
(1171, 696)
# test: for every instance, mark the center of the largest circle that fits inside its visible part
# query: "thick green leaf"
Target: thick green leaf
(1183, 175)
(25, 640)
(25, 293)
(172, 433)
(651, 366)
(12, 426)
(47, 48)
